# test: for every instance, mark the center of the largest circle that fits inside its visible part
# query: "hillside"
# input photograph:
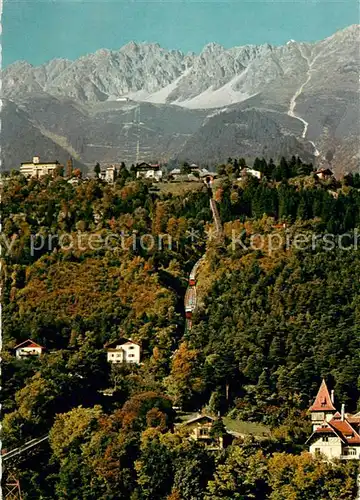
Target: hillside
(85, 268)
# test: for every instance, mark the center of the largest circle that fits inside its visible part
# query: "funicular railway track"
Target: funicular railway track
(190, 301)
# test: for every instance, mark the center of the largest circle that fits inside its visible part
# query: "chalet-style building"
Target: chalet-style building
(148, 171)
(323, 173)
(28, 348)
(37, 168)
(199, 428)
(335, 435)
(123, 351)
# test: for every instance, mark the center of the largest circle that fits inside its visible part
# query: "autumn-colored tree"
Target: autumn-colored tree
(70, 430)
(160, 218)
(155, 469)
(242, 475)
(135, 412)
(293, 477)
(184, 381)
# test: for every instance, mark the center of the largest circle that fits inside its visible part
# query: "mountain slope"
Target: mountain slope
(21, 138)
(310, 90)
(252, 131)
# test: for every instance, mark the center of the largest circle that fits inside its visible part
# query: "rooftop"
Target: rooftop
(28, 343)
(323, 400)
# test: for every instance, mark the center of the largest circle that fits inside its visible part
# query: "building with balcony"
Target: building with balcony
(335, 434)
(201, 428)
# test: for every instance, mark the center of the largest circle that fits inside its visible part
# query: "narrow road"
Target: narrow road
(292, 106)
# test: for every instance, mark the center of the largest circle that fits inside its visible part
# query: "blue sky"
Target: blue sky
(39, 30)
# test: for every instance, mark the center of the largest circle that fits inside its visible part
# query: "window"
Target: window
(131, 347)
(317, 416)
(325, 438)
(204, 432)
(131, 355)
(350, 451)
(317, 451)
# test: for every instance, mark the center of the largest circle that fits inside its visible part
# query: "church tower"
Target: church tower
(323, 407)
(69, 168)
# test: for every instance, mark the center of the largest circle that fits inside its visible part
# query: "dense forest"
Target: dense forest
(85, 264)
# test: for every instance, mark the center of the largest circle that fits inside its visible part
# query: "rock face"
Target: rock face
(307, 91)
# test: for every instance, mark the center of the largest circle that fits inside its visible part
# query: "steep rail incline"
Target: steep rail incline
(190, 301)
(216, 217)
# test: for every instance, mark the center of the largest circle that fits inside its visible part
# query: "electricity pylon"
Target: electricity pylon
(12, 487)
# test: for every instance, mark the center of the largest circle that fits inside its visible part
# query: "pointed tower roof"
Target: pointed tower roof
(323, 401)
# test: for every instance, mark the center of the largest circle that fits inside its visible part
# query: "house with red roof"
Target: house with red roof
(28, 348)
(323, 173)
(323, 407)
(335, 435)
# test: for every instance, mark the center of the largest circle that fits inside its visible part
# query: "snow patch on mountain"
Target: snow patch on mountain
(161, 96)
(210, 98)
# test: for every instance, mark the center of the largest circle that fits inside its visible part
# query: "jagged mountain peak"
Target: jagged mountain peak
(308, 89)
(212, 48)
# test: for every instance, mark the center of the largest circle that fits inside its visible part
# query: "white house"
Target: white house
(123, 351)
(37, 168)
(28, 348)
(108, 174)
(148, 171)
(335, 435)
(250, 171)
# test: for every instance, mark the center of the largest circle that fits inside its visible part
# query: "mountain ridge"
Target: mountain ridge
(107, 73)
(315, 84)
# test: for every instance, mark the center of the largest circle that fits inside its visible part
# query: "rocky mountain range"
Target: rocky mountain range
(143, 102)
